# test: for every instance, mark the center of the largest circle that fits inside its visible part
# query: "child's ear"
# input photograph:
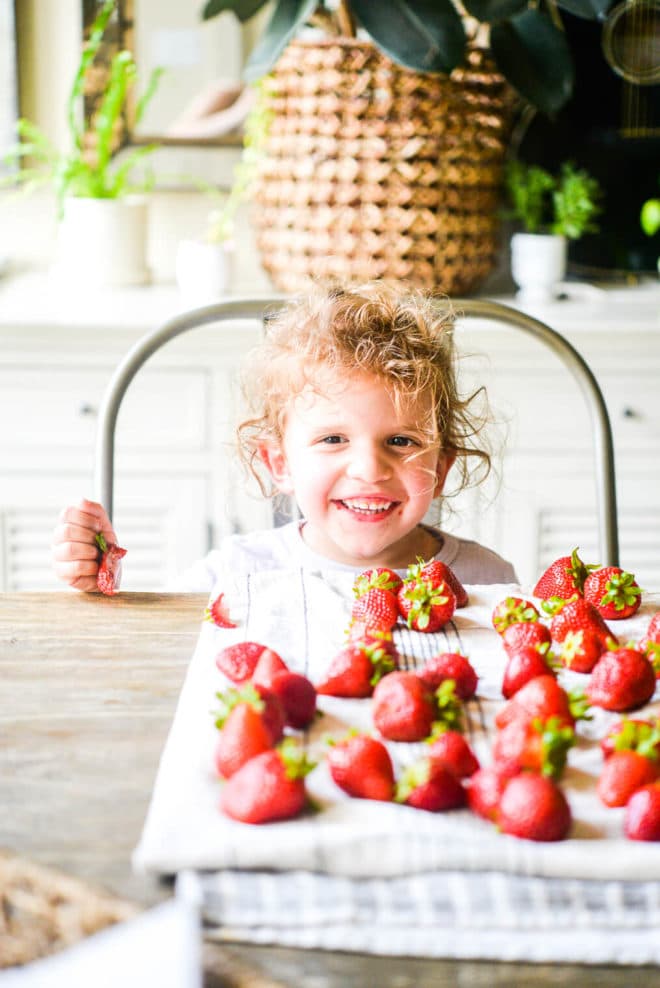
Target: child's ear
(274, 459)
(444, 465)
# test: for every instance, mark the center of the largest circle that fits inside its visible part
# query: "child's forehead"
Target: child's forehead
(328, 386)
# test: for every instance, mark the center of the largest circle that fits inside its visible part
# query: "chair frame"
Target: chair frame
(463, 308)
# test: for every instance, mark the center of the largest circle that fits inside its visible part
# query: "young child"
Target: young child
(355, 413)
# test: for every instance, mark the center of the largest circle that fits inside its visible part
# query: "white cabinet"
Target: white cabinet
(177, 492)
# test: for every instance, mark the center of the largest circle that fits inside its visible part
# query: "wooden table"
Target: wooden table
(88, 688)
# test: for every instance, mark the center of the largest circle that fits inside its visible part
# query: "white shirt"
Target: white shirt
(284, 548)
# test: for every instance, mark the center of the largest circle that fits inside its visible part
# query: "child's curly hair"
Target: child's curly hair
(391, 330)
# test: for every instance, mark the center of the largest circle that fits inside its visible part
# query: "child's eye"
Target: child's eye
(332, 440)
(402, 441)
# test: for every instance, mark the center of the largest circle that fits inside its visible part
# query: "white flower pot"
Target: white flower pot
(203, 271)
(538, 265)
(102, 242)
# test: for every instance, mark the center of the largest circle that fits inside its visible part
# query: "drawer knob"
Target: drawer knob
(87, 410)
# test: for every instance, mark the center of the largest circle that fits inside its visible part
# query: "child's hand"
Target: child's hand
(75, 552)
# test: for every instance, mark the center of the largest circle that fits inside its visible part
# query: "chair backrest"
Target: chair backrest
(465, 309)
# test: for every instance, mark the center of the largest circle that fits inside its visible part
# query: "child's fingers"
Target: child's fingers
(68, 547)
(78, 574)
(89, 517)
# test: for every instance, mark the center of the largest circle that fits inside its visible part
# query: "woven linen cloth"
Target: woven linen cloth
(358, 854)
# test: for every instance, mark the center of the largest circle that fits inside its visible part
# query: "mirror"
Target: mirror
(198, 100)
(8, 80)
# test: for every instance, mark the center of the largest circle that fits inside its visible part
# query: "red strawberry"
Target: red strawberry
(438, 572)
(269, 787)
(264, 702)
(376, 610)
(381, 577)
(243, 736)
(513, 610)
(534, 807)
(218, 614)
(428, 785)
(634, 734)
(525, 664)
(614, 592)
(108, 577)
(298, 697)
(403, 707)
(642, 817)
(525, 633)
(563, 578)
(574, 615)
(362, 767)
(622, 774)
(238, 662)
(485, 790)
(450, 749)
(269, 664)
(621, 680)
(533, 745)
(450, 665)
(425, 606)
(541, 697)
(650, 643)
(581, 650)
(356, 669)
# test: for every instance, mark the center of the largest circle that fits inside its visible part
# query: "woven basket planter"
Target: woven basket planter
(376, 171)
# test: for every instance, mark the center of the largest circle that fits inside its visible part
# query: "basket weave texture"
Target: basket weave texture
(376, 171)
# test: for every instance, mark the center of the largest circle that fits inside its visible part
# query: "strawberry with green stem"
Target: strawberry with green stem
(428, 785)
(426, 606)
(631, 733)
(217, 613)
(361, 765)
(513, 610)
(358, 668)
(642, 815)
(533, 807)
(564, 577)
(525, 664)
(625, 771)
(375, 610)
(269, 787)
(622, 679)
(262, 700)
(533, 745)
(454, 666)
(438, 572)
(614, 592)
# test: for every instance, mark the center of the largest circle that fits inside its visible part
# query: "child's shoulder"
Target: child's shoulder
(474, 563)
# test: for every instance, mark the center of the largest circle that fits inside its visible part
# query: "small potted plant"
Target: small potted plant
(101, 208)
(552, 209)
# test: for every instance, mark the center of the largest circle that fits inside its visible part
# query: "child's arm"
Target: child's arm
(75, 552)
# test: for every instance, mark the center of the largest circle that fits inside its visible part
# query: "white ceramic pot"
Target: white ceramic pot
(203, 271)
(102, 242)
(538, 265)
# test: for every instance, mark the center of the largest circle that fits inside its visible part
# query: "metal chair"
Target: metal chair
(467, 308)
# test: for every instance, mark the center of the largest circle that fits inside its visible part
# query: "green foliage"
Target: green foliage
(526, 36)
(80, 171)
(566, 203)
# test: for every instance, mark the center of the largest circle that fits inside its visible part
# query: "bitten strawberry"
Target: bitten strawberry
(243, 736)
(485, 790)
(564, 577)
(238, 662)
(108, 577)
(451, 665)
(451, 750)
(269, 787)
(438, 572)
(376, 610)
(533, 745)
(403, 707)
(357, 668)
(622, 774)
(428, 785)
(426, 606)
(362, 767)
(642, 817)
(614, 592)
(534, 807)
(524, 634)
(622, 680)
(525, 664)
(218, 614)
(513, 610)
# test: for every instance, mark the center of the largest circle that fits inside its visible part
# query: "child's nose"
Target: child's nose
(368, 462)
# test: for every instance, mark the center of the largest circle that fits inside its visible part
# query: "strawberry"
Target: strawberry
(485, 790)
(634, 734)
(264, 702)
(525, 664)
(522, 634)
(376, 610)
(614, 592)
(268, 665)
(297, 696)
(238, 662)
(362, 767)
(513, 610)
(108, 577)
(576, 614)
(428, 785)
(541, 697)
(438, 572)
(642, 817)
(378, 577)
(534, 807)
(533, 745)
(450, 665)
(581, 650)
(425, 606)
(271, 786)
(217, 613)
(563, 578)
(356, 669)
(623, 773)
(403, 707)
(243, 736)
(650, 643)
(452, 751)
(623, 679)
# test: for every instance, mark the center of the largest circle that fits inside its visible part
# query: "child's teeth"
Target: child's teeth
(367, 506)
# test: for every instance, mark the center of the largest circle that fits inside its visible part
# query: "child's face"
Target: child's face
(361, 472)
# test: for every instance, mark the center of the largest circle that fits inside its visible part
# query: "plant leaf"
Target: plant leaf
(88, 55)
(287, 18)
(489, 11)
(244, 9)
(534, 56)
(425, 35)
(590, 10)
